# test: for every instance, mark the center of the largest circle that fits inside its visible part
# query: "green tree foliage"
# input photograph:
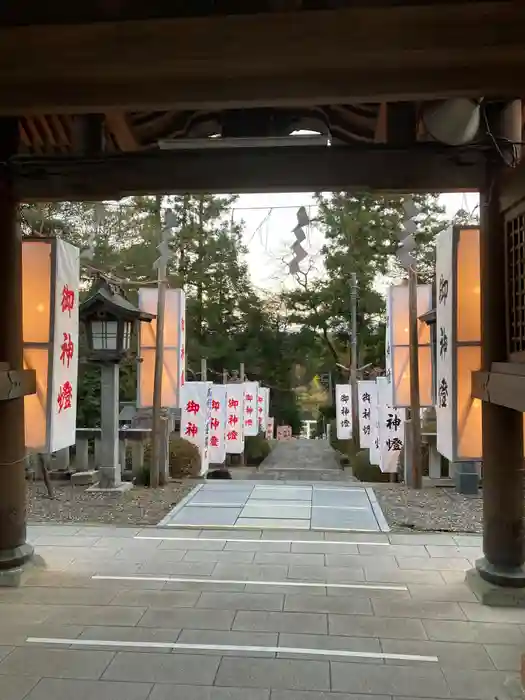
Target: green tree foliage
(360, 233)
(227, 322)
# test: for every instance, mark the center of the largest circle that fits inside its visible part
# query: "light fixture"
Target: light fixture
(453, 122)
(458, 350)
(110, 320)
(265, 142)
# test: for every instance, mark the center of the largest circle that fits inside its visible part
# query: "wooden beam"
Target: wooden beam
(120, 129)
(322, 57)
(281, 169)
(504, 386)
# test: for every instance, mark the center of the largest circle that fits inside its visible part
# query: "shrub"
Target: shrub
(364, 471)
(184, 459)
(256, 449)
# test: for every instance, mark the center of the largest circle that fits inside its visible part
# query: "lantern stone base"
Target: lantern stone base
(13, 564)
(109, 481)
(495, 587)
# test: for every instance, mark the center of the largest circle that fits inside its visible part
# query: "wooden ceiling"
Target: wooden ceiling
(352, 52)
(111, 78)
(29, 12)
(48, 134)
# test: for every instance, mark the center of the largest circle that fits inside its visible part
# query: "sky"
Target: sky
(270, 218)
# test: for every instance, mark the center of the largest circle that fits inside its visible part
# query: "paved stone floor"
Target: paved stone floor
(303, 460)
(163, 614)
(271, 505)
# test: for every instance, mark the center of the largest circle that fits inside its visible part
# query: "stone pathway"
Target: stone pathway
(324, 499)
(303, 460)
(159, 614)
(289, 505)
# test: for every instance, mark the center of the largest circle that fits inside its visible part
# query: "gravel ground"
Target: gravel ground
(432, 509)
(139, 506)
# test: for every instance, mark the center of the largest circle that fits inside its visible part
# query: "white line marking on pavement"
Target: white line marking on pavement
(240, 539)
(229, 647)
(290, 583)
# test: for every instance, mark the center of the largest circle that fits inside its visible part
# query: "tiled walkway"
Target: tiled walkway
(270, 505)
(163, 614)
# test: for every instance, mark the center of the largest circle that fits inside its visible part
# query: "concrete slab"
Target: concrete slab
(204, 517)
(64, 634)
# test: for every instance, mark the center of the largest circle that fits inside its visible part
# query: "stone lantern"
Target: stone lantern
(110, 321)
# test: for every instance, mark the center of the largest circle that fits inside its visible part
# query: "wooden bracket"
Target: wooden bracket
(16, 383)
(504, 385)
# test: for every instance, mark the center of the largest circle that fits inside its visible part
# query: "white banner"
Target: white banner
(374, 455)
(251, 423)
(391, 429)
(235, 419)
(217, 449)
(367, 411)
(263, 407)
(445, 294)
(270, 425)
(388, 347)
(195, 415)
(64, 348)
(343, 411)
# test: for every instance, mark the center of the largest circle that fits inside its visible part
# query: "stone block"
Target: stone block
(84, 478)
(492, 595)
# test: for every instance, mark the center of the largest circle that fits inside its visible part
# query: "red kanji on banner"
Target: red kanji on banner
(68, 300)
(214, 441)
(182, 323)
(193, 407)
(260, 409)
(65, 394)
(214, 423)
(232, 435)
(233, 403)
(215, 405)
(191, 430)
(233, 420)
(260, 399)
(249, 410)
(182, 353)
(68, 348)
(249, 397)
(249, 421)
(182, 379)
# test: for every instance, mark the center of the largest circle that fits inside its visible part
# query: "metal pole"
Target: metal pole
(415, 413)
(225, 376)
(204, 370)
(353, 360)
(156, 443)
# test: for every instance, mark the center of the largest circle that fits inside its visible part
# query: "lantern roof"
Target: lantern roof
(109, 296)
(429, 317)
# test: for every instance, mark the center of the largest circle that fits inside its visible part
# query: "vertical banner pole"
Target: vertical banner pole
(155, 471)
(416, 466)
(353, 365)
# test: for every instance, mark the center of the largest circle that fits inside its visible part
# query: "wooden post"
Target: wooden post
(503, 534)
(415, 417)
(156, 435)
(204, 370)
(353, 361)
(242, 457)
(14, 550)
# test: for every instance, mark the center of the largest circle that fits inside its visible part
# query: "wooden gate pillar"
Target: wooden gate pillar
(14, 550)
(503, 494)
